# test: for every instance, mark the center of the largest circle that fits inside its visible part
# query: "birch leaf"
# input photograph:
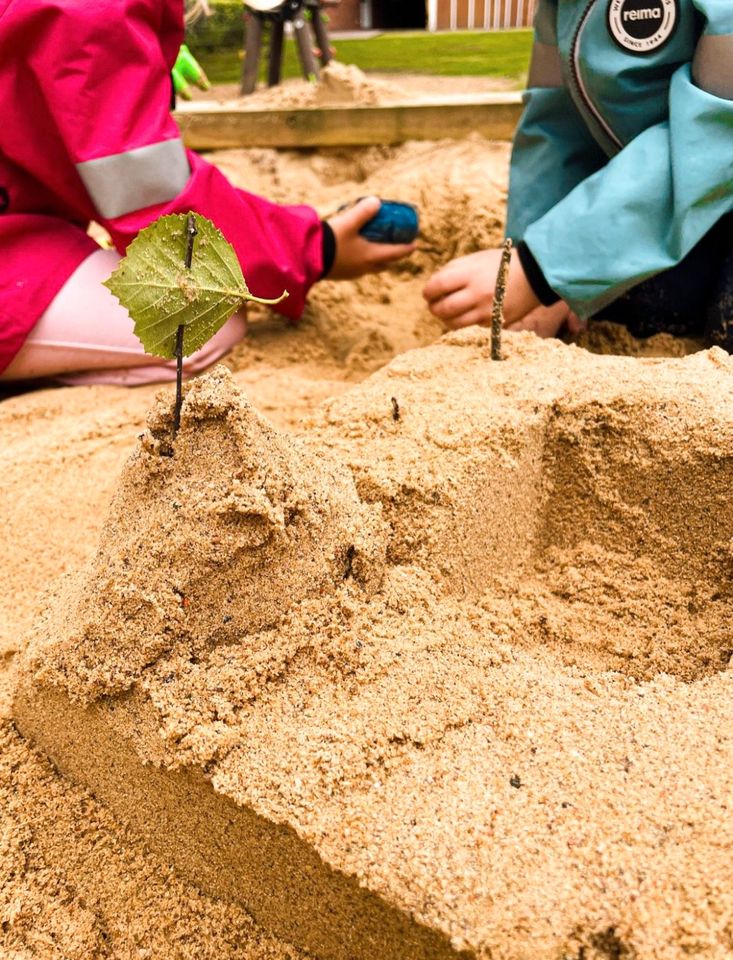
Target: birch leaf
(160, 294)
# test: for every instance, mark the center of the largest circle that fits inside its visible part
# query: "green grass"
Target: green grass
(503, 54)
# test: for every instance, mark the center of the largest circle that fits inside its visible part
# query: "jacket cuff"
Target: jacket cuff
(533, 271)
(328, 248)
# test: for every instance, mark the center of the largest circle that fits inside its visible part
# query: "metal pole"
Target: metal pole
(275, 61)
(305, 48)
(321, 34)
(252, 50)
(366, 15)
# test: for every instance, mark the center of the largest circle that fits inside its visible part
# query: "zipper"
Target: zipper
(578, 79)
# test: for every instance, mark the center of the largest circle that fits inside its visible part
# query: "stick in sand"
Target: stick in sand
(497, 311)
(191, 231)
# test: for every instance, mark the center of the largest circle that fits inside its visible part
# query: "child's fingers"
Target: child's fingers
(544, 321)
(575, 325)
(379, 255)
(355, 217)
(470, 318)
(453, 305)
(444, 282)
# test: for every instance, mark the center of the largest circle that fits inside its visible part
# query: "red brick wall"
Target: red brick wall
(345, 16)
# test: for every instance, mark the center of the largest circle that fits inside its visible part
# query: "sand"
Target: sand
(346, 85)
(507, 714)
(74, 884)
(339, 85)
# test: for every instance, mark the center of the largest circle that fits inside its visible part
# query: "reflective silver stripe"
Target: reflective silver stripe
(712, 65)
(136, 179)
(545, 70)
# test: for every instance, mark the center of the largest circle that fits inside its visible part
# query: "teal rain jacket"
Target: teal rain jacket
(623, 159)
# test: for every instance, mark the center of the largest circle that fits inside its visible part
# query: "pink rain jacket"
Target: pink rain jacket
(86, 134)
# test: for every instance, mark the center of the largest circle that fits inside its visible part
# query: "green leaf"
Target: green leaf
(160, 294)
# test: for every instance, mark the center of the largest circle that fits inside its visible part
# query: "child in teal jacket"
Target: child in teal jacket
(621, 184)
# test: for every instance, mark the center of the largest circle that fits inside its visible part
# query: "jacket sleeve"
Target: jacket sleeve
(106, 82)
(553, 149)
(649, 205)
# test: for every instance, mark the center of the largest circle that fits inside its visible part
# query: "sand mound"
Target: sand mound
(397, 87)
(214, 541)
(610, 338)
(340, 85)
(346, 84)
(515, 744)
(353, 329)
(592, 674)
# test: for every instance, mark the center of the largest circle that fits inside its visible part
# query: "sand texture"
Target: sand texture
(345, 85)
(499, 725)
(503, 729)
(339, 85)
(74, 882)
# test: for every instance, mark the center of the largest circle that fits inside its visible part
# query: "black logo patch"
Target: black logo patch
(642, 25)
(4, 199)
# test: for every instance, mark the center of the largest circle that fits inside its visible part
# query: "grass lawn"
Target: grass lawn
(463, 53)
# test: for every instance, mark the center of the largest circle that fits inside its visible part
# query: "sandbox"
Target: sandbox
(448, 675)
(564, 715)
(209, 125)
(347, 108)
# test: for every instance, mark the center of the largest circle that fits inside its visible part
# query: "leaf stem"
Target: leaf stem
(497, 311)
(179, 381)
(269, 303)
(191, 231)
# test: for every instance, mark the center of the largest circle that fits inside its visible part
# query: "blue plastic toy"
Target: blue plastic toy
(395, 223)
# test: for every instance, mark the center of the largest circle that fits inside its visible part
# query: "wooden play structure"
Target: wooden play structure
(266, 19)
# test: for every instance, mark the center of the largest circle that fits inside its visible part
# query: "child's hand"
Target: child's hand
(461, 293)
(549, 321)
(355, 255)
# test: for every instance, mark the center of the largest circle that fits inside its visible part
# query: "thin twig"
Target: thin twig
(179, 381)
(497, 311)
(191, 232)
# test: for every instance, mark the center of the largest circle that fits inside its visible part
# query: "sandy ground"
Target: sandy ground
(75, 884)
(343, 84)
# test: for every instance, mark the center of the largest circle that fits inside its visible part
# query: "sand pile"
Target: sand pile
(345, 85)
(513, 742)
(245, 526)
(353, 329)
(348, 84)
(75, 883)
(340, 85)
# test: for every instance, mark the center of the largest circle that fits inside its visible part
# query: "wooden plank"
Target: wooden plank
(212, 127)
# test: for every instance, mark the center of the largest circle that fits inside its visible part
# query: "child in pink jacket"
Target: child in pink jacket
(87, 134)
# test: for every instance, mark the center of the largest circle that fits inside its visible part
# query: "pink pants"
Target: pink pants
(86, 337)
